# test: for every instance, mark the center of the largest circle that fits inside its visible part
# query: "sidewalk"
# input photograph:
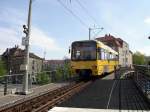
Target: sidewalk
(11, 99)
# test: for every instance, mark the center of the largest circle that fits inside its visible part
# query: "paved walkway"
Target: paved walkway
(68, 109)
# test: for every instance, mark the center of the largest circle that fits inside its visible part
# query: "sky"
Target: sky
(53, 28)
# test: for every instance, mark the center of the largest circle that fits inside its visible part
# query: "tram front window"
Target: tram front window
(82, 51)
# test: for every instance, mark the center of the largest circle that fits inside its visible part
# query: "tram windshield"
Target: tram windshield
(83, 51)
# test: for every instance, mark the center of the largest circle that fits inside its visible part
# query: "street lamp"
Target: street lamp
(149, 37)
(90, 29)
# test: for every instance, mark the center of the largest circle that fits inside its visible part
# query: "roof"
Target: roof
(18, 52)
(109, 39)
(32, 55)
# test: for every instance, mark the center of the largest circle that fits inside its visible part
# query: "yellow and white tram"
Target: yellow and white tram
(92, 58)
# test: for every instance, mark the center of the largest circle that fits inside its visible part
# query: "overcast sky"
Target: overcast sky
(54, 28)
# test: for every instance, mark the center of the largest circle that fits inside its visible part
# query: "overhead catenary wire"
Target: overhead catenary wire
(96, 34)
(87, 12)
(91, 17)
(73, 14)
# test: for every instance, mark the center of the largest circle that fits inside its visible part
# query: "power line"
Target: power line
(96, 34)
(87, 12)
(73, 14)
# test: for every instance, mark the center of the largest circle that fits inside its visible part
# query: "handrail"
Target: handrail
(142, 78)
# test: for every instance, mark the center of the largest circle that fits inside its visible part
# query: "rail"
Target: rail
(45, 101)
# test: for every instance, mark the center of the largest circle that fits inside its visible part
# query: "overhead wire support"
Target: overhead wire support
(73, 14)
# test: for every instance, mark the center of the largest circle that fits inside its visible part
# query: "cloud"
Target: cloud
(12, 17)
(8, 38)
(147, 20)
(11, 33)
(41, 40)
(145, 50)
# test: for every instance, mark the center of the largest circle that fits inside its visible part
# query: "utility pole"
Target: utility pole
(90, 33)
(27, 31)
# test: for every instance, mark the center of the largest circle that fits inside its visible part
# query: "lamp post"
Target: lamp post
(90, 29)
(27, 31)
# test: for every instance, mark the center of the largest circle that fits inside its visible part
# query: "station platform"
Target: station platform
(106, 94)
(68, 109)
(11, 99)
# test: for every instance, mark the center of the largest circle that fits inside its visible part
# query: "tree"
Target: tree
(59, 73)
(139, 58)
(42, 78)
(63, 72)
(3, 70)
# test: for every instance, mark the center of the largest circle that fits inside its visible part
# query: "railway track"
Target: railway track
(44, 102)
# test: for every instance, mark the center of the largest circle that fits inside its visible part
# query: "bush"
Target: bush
(43, 78)
(3, 70)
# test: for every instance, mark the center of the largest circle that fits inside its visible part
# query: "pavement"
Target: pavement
(12, 88)
(12, 98)
(69, 109)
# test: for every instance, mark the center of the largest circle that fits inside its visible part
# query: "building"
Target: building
(119, 45)
(50, 65)
(14, 59)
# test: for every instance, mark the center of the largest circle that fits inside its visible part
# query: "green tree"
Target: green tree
(63, 72)
(59, 73)
(67, 69)
(138, 58)
(43, 78)
(2, 68)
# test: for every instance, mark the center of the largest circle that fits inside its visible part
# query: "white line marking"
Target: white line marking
(111, 93)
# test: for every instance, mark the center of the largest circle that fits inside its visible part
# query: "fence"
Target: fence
(142, 78)
(10, 84)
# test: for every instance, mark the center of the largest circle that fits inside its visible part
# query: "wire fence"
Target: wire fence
(11, 84)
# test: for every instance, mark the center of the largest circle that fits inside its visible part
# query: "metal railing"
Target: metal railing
(11, 84)
(142, 78)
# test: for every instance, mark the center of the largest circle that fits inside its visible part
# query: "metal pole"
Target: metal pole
(90, 33)
(5, 85)
(25, 87)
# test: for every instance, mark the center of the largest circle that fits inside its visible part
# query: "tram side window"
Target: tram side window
(99, 53)
(108, 55)
(111, 56)
(105, 55)
(102, 54)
